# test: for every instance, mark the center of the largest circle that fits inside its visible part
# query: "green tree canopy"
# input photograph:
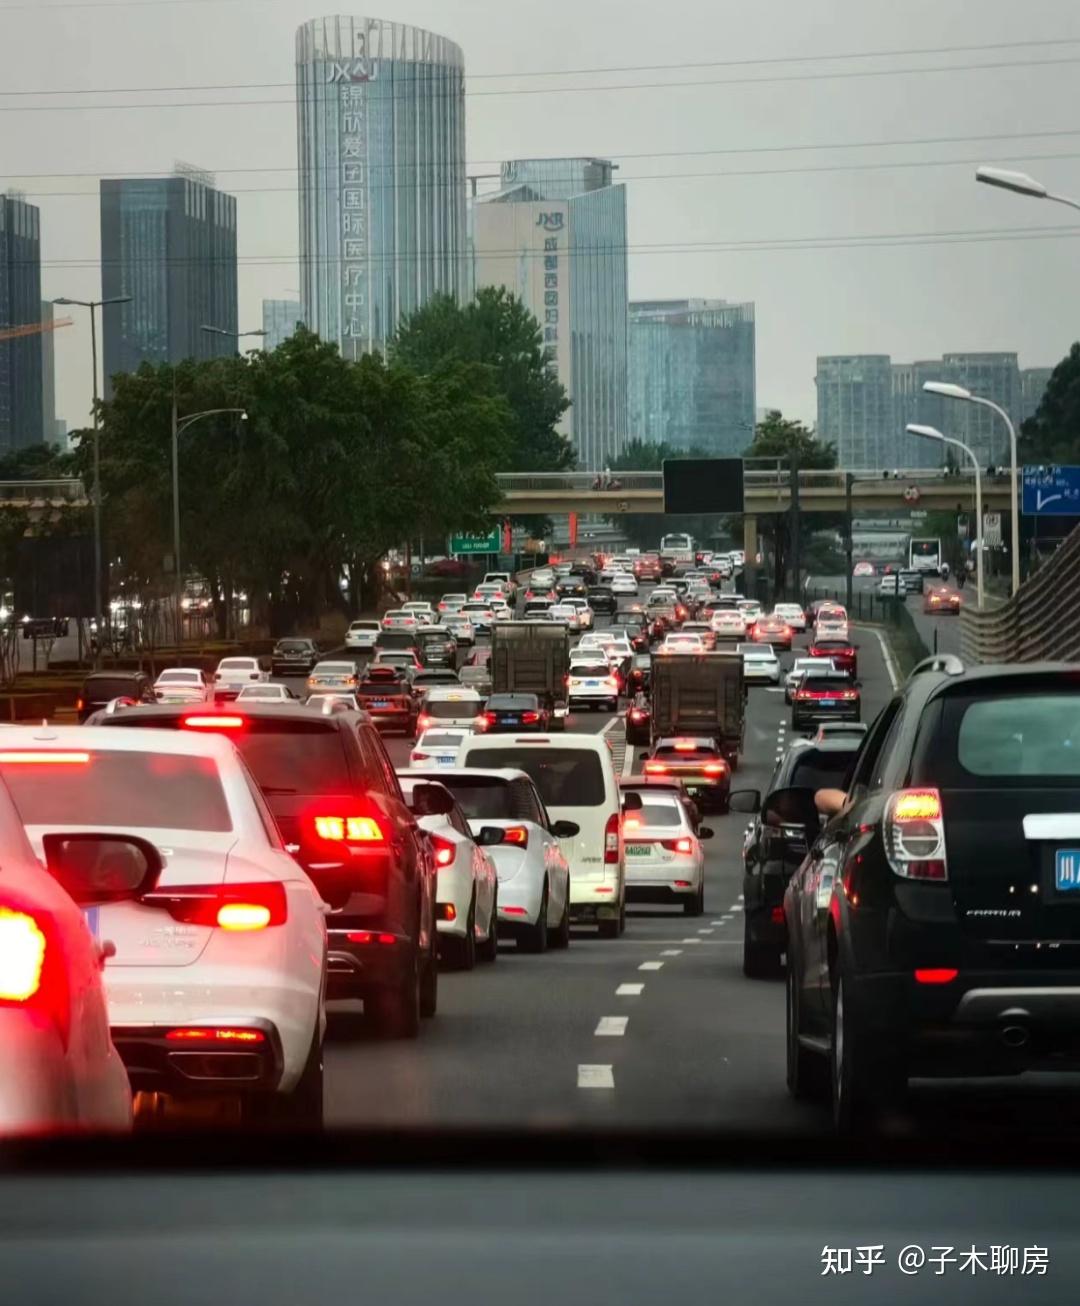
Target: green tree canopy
(1053, 433)
(779, 437)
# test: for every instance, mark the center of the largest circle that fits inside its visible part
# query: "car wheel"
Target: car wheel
(807, 1072)
(463, 951)
(489, 949)
(395, 1012)
(303, 1107)
(429, 979)
(695, 906)
(534, 938)
(865, 1075)
(759, 960)
(561, 937)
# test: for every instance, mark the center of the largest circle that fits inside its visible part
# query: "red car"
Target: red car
(387, 697)
(843, 653)
(938, 601)
(646, 568)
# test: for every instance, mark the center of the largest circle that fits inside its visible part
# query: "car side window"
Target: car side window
(528, 805)
(273, 834)
(376, 765)
(457, 819)
(877, 775)
(866, 760)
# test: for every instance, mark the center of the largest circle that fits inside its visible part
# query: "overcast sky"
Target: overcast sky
(913, 300)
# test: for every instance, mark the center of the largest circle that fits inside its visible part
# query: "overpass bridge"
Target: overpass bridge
(44, 496)
(765, 491)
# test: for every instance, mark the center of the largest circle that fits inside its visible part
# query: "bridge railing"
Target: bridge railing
(68, 489)
(754, 478)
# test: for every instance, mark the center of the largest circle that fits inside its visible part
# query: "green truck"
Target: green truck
(700, 694)
(532, 657)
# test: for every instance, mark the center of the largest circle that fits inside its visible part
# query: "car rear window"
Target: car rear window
(688, 754)
(814, 769)
(512, 702)
(1021, 735)
(127, 789)
(831, 643)
(237, 664)
(388, 688)
(483, 796)
(442, 738)
(104, 687)
(589, 669)
(660, 813)
(396, 639)
(447, 709)
(566, 777)
(294, 646)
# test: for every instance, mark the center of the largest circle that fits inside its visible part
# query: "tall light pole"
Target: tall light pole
(1021, 184)
(949, 391)
(93, 305)
(932, 433)
(179, 426)
(230, 335)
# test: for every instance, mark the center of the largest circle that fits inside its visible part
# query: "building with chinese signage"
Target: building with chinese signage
(381, 158)
(692, 379)
(555, 235)
(20, 305)
(170, 244)
(280, 318)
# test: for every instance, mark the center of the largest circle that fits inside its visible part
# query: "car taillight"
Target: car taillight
(715, 768)
(234, 907)
(22, 955)
(677, 845)
(530, 718)
(424, 722)
(445, 851)
(638, 714)
(850, 694)
(215, 721)
(518, 835)
(685, 746)
(349, 829)
(914, 834)
(214, 1034)
(935, 975)
(79, 704)
(655, 768)
(611, 840)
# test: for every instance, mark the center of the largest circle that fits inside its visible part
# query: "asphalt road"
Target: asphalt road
(941, 634)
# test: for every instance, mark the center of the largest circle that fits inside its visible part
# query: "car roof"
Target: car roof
(450, 693)
(504, 773)
(186, 743)
(253, 708)
(569, 739)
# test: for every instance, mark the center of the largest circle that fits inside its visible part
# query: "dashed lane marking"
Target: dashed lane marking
(671, 952)
(611, 1026)
(595, 1077)
(694, 940)
(629, 990)
(704, 931)
(735, 906)
(651, 965)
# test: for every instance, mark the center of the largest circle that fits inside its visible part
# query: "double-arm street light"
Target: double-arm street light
(230, 335)
(949, 391)
(932, 433)
(1021, 184)
(179, 426)
(93, 305)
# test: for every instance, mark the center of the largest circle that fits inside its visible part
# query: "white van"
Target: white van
(449, 705)
(576, 778)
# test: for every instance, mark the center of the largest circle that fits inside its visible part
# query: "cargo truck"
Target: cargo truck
(531, 657)
(701, 694)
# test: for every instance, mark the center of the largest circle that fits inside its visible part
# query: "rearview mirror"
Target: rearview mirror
(490, 836)
(565, 829)
(705, 832)
(643, 757)
(632, 802)
(745, 800)
(431, 800)
(101, 868)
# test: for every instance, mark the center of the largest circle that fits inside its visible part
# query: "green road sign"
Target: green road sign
(490, 543)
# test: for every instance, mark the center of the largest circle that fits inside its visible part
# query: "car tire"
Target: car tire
(759, 960)
(807, 1071)
(534, 938)
(695, 906)
(865, 1075)
(561, 937)
(303, 1107)
(395, 1012)
(488, 951)
(462, 953)
(429, 979)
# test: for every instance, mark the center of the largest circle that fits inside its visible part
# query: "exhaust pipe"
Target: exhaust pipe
(1015, 1036)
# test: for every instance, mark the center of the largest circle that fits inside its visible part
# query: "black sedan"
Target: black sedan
(513, 712)
(294, 657)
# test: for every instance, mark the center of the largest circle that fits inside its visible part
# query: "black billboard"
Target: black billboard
(55, 577)
(703, 485)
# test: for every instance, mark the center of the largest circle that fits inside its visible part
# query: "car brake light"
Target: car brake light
(349, 829)
(424, 722)
(611, 840)
(419, 757)
(655, 768)
(22, 757)
(79, 704)
(935, 975)
(22, 955)
(678, 845)
(530, 718)
(234, 907)
(197, 1034)
(638, 714)
(445, 851)
(215, 722)
(914, 835)
(685, 746)
(518, 835)
(715, 768)
(611, 682)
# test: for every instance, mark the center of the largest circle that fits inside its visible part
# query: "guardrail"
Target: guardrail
(755, 478)
(1040, 623)
(68, 489)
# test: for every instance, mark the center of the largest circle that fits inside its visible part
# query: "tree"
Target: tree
(1053, 434)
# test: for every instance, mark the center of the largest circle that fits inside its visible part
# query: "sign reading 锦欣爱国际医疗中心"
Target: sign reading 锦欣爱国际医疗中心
(350, 79)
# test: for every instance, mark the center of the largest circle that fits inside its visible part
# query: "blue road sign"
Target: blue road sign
(1051, 491)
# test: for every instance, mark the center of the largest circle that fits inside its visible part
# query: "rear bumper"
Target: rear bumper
(593, 900)
(354, 968)
(813, 717)
(191, 1068)
(391, 720)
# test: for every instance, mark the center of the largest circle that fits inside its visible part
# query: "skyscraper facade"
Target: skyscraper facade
(1033, 383)
(280, 318)
(170, 244)
(692, 374)
(381, 153)
(48, 374)
(20, 305)
(555, 235)
(854, 403)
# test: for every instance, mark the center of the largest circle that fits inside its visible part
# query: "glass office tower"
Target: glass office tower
(20, 305)
(381, 151)
(280, 318)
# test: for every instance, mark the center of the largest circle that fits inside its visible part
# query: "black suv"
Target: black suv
(514, 712)
(331, 787)
(773, 850)
(101, 687)
(294, 657)
(438, 648)
(935, 924)
(601, 598)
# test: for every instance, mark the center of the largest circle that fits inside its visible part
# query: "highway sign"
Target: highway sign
(490, 543)
(1051, 491)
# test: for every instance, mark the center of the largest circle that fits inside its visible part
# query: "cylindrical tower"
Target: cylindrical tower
(381, 156)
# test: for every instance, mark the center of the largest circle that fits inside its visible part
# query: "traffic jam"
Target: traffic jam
(210, 863)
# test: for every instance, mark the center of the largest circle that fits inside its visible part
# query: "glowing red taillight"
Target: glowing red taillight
(936, 975)
(209, 1034)
(715, 768)
(213, 721)
(349, 829)
(445, 851)
(518, 835)
(611, 840)
(238, 908)
(655, 768)
(530, 718)
(683, 845)
(365, 937)
(22, 955)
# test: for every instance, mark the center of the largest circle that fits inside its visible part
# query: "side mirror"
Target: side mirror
(632, 802)
(431, 800)
(490, 836)
(101, 868)
(745, 800)
(643, 757)
(705, 832)
(565, 829)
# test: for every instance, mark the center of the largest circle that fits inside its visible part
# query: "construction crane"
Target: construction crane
(33, 328)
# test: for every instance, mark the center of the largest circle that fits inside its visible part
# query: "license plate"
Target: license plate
(638, 849)
(1067, 869)
(511, 720)
(445, 761)
(829, 702)
(591, 684)
(380, 702)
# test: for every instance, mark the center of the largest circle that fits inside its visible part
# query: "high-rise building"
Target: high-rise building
(381, 149)
(20, 305)
(170, 244)
(854, 403)
(555, 235)
(991, 376)
(48, 374)
(691, 374)
(910, 403)
(1033, 383)
(280, 318)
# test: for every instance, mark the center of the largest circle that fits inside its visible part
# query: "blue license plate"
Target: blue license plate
(512, 720)
(1067, 869)
(380, 702)
(445, 761)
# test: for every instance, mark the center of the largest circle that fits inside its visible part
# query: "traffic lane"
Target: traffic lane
(940, 632)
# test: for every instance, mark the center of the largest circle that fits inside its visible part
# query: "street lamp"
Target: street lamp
(1021, 184)
(932, 433)
(179, 426)
(92, 305)
(949, 391)
(230, 335)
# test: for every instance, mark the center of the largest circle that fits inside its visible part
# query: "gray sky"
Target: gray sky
(912, 301)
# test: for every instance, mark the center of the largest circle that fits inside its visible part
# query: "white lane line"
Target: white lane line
(671, 952)
(611, 1026)
(735, 906)
(726, 918)
(694, 940)
(595, 1077)
(704, 931)
(629, 990)
(651, 965)
(740, 897)
(886, 653)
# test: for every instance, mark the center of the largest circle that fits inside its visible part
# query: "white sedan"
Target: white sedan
(266, 694)
(437, 748)
(534, 875)
(61, 1069)
(665, 861)
(182, 685)
(215, 980)
(683, 642)
(728, 623)
(362, 635)
(233, 674)
(567, 614)
(467, 884)
(792, 614)
(760, 663)
(586, 616)
(624, 582)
